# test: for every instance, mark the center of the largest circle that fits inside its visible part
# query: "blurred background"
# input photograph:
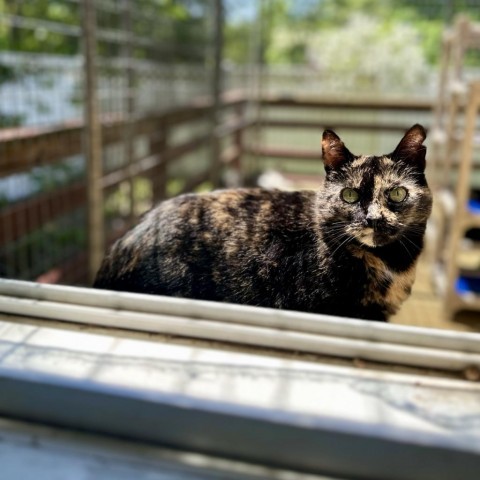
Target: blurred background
(109, 106)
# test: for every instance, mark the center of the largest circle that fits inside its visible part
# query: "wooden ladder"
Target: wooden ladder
(454, 136)
(462, 257)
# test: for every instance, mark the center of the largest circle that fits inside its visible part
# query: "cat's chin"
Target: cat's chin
(372, 239)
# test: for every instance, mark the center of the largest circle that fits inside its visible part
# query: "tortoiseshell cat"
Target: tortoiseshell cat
(348, 249)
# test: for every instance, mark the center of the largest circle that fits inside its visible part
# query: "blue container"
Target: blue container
(473, 206)
(467, 285)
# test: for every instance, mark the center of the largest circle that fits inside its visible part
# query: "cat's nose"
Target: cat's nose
(373, 216)
(372, 222)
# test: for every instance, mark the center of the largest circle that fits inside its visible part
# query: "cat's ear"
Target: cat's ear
(411, 150)
(334, 152)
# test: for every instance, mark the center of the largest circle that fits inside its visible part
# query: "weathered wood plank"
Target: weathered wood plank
(25, 147)
(302, 124)
(29, 215)
(300, 154)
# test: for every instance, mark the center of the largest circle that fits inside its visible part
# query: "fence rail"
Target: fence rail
(36, 147)
(278, 113)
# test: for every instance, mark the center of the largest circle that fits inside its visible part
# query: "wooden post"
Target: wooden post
(158, 146)
(462, 28)
(440, 112)
(129, 130)
(217, 85)
(93, 143)
(238, 142)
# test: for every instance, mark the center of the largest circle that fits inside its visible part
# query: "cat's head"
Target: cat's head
(375, 199)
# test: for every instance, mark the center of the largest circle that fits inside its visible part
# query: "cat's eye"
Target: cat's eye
(397, 194)
(350, 195)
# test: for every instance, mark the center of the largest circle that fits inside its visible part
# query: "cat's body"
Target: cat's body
(311, 251)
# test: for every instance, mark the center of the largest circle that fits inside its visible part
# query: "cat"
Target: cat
(349, 249)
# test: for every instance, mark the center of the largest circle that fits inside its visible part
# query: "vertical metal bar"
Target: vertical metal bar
(93, 142)
(217, 86)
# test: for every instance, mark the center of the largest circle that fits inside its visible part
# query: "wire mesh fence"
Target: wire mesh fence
(144, 96)
(154, 110)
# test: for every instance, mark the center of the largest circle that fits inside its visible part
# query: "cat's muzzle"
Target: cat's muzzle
(376, 237)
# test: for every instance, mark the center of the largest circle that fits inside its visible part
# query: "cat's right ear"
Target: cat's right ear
(334, 151)
(411, 149)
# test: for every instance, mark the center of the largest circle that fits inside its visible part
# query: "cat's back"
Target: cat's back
(205, 233)
(242, 203)
(251, 210)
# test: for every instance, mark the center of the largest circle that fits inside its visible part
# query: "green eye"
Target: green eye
(350, 195)
(397, 194)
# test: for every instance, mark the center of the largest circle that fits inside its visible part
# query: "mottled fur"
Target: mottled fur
(308, 251)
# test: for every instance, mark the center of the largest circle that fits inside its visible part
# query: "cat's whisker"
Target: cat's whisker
(335, 240)
(333, 232)
(406, 249)
(417, 247)
(347, 240)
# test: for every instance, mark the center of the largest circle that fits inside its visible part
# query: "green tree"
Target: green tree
(289, 26)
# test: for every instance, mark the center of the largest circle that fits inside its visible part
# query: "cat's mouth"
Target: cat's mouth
(374, 238)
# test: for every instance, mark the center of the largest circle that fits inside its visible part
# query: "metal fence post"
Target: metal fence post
(93, 142)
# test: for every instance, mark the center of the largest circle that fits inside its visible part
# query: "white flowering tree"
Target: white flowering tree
(367, 54)
(364, 55)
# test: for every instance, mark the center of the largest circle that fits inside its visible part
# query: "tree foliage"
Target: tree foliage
(292, 26)
(54, 26)
(19, 33)
(284, 36)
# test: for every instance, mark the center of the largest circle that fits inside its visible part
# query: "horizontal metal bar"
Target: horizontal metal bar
(233, 332)
(307, 443)
(35, 23)
(246, 315)
(45, 60)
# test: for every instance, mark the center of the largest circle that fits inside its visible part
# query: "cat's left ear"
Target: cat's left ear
(411, 150)
(334, 151)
